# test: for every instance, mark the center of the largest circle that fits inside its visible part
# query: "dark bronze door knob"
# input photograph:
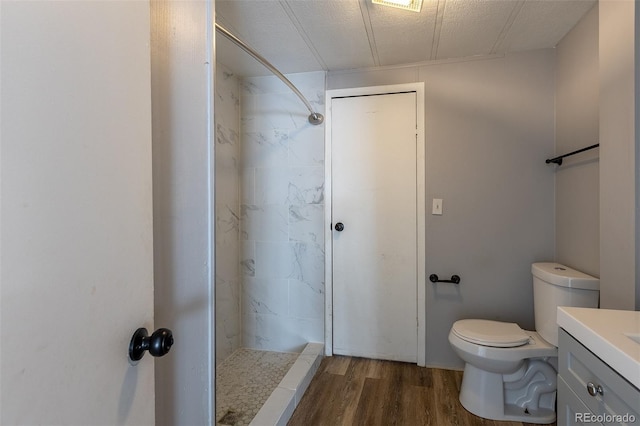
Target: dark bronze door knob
(158, 344)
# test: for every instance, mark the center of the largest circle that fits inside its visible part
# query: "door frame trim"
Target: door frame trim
(418, 88)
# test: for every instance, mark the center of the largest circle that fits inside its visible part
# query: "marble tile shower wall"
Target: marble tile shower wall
(227, 193)
(282, 211)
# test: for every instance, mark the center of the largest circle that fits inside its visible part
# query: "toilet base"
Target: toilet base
(482, 393)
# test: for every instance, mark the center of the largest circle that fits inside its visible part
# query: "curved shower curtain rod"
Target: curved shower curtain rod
(314, 117)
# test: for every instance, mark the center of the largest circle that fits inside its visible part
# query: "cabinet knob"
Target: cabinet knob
(594, 389)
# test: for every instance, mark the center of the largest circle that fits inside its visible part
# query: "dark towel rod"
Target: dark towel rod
(558, 160)
(455, 279)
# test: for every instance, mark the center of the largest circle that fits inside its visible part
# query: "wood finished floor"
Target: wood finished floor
(356, 391)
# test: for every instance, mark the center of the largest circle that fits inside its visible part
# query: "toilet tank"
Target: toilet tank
(558, 285)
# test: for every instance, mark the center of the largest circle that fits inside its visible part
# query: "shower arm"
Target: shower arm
(314, 117)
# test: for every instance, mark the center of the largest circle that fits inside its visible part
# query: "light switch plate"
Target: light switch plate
(437, 206)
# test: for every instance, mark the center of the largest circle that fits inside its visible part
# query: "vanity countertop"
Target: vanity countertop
(612, 335)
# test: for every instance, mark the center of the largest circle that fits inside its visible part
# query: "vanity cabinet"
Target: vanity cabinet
(591, 392)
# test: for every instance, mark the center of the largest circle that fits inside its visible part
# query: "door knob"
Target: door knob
(339, 226)
(158, 344)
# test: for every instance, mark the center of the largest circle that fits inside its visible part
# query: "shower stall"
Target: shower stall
(269, 196)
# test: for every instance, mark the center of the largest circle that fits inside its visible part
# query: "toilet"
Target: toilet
(510, 373)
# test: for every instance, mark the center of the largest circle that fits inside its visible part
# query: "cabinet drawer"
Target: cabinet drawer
(571, 409)
(580, 368)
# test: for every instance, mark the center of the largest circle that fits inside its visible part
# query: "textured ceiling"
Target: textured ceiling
(330, 35)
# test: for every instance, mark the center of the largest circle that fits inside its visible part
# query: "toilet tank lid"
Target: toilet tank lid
(563, 276)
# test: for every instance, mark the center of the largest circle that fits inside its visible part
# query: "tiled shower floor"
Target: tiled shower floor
(245, 380)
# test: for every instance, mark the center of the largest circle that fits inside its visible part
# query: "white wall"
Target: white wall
(227, 118)
(619, 212)
(577, 126)
(282, 196)
(182, 74)
(489, 127)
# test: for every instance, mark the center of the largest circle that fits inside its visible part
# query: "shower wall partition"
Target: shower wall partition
(269, 214)
(227, 194)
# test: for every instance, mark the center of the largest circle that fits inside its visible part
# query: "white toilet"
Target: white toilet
(510, 373)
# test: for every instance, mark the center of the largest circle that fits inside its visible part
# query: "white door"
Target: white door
(374, 217)
(76, 259)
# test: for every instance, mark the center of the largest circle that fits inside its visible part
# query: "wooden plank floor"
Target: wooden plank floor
(356, 391)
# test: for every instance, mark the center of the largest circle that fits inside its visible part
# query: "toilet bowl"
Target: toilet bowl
(510, 373)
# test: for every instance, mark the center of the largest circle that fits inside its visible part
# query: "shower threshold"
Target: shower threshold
(263, 388)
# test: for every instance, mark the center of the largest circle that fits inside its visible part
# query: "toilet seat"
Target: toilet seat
(490, 333)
